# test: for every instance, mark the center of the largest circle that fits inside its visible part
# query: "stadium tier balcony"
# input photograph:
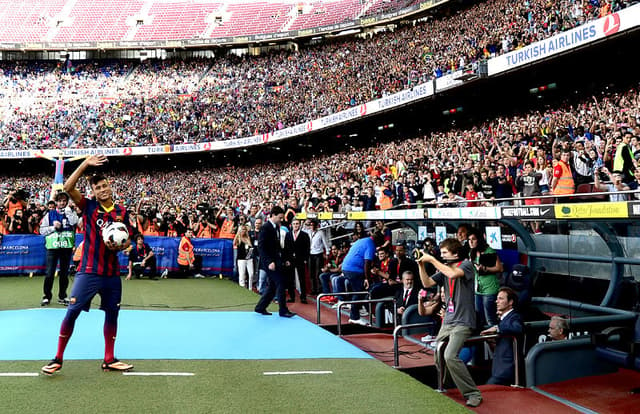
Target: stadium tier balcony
(97, 20)
(29, 20)
(252, 18)
(178, 20)
(327, 13)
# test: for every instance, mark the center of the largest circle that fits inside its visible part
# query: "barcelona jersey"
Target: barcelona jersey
(96, 257)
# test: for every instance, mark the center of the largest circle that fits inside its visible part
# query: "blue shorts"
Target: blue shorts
(87, 285)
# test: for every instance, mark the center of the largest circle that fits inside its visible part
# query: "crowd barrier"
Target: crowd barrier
(24, 254)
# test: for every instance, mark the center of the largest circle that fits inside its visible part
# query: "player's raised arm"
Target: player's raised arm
(70, 184)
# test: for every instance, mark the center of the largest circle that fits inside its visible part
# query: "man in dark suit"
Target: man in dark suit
(297, 246)
(503, 368)
(408, 294)
(272, 262)
(400, 264)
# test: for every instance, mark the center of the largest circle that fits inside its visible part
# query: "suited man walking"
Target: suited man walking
(503, 367)
(297, 246)
(272, 262)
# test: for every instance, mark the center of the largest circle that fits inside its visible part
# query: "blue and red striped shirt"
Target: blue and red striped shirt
(96, 257)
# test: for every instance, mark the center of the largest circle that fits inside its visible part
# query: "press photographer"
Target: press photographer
(428, 246)
(15, 200)
(19, 224)
(171, 226)
(147, 217)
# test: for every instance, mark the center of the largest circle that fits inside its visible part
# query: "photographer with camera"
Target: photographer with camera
(34, 219)
(19, 224)
(172, 226)
(58, 229)
(204, 229)
(147, 218)
(456, 274)
(616, 184)
(15, 200)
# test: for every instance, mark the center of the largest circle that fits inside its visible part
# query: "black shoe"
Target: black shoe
(44, 302)
(291, 300)
(303, 300)
(288, 315)
(63, 302)
(264, 312)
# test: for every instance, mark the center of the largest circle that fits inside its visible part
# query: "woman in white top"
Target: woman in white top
(545, 170)
(244, 245)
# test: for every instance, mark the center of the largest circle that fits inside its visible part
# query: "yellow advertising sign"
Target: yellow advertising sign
(592, 210)
(325, 215)
(357, 215)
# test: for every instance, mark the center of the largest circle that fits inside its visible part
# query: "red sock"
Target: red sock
(66, 329)
(109, 341)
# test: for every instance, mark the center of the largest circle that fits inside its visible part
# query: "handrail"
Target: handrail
(399, 328)
(436, 203)
(584, 258)
(321, 295)
(440, 347)
(363, 302)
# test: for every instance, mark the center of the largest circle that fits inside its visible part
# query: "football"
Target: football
(115, 233)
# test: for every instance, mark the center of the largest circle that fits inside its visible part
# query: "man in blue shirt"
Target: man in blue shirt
(357, 264)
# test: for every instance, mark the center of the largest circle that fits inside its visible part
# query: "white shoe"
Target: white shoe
(345, 307)
(358, 322)
(199, 276)
(164, 274)
(364, 312)
(428, 338)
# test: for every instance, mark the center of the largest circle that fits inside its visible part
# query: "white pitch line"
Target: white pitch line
(19, 374)
(298, 372)
(163, 374)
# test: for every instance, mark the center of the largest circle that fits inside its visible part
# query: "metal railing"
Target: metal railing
(517, 356)
(365, 292)
(549, 196)
(365, 302)
(396, 331)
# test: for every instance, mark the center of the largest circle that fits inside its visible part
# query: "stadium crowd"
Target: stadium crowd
(115, 104)
(455, 167)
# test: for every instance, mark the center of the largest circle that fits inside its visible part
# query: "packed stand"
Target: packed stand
(596, 139)
(172, 102)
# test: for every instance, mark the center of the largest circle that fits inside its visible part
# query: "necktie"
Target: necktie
(406, 296)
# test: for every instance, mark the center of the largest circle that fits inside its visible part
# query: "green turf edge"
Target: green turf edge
(221, 386)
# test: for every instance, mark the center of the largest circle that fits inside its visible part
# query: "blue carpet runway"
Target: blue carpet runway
(32, 334)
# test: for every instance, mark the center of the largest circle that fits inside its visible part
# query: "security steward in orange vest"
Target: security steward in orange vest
(562, 182)
(188, 263)
(205, 229)
(228, 227)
